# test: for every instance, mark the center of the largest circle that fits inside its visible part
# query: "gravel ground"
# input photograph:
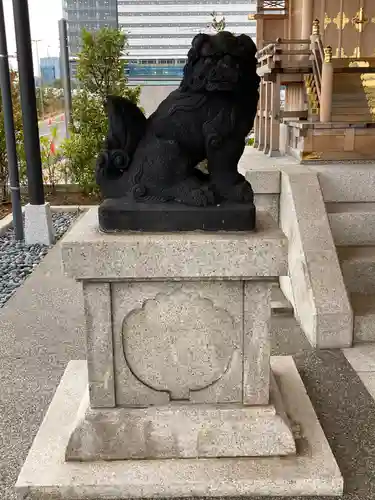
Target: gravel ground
(18, 260)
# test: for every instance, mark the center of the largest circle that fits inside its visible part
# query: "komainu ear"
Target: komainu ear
(248, 45)
(126, 124)
(198, 42)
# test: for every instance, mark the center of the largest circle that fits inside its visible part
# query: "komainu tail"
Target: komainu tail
(127, 125)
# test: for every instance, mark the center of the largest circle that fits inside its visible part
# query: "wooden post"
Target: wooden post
(275, 118)
(307, 18)
(267, 110)
(256, 130)
(261, 127)
(327, 87)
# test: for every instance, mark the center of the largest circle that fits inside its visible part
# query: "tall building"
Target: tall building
(50, 69)
(159, 31)
(90, 15)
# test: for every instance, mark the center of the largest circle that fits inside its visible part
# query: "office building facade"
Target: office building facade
(90, 15)
(50, 69)
(159, 31)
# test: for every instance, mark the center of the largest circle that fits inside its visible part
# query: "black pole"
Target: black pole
(65, 72)
(10, 139)
(28, 102)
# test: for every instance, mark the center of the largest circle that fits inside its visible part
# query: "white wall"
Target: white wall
(153, 95)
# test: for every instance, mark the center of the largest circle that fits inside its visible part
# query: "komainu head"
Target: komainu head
(222, 62)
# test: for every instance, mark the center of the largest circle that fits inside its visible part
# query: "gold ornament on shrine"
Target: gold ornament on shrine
(360, 20)
(316, 27)
(327, 21)
(341, 20)
(328, 54)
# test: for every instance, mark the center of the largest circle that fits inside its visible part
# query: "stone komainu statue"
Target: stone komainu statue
(207, 117)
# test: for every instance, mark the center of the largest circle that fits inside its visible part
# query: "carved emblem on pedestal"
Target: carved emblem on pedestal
(178, 343)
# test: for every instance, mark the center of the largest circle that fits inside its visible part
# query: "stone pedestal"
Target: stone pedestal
(178, 357)
(38, 225)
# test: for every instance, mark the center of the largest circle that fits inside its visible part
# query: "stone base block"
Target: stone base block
(182, 431)
(38, 225)
(128, 215)
(46, 474)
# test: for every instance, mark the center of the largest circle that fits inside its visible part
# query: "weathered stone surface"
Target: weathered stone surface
(364, 317)
(346, 182)
(352, 224)
(268, 203)
(358, 268)
(176, 337)
(38, 225)
(257, 345)
(264, 178)
(46, 475)
(361, 357)
(178, 340)
(182, 431)
(320, 298)
(188, 343)
(91, 255)
(99, 342)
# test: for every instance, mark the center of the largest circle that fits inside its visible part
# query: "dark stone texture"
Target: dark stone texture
(127, 215)
(208, 117)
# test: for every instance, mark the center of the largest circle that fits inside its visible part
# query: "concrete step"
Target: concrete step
(358, 268)
(347, 183)
(352, 117)
(280, 305)
(352, 224)
(287, 337)
(364, 317)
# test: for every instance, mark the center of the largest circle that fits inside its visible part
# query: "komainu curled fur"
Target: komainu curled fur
(154, 160)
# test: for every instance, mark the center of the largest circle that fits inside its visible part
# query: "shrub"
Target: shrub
(100, 73)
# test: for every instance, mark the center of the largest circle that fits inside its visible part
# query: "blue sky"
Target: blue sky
(44, 17)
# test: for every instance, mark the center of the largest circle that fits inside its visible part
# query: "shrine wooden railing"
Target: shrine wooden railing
(306, 68)
(317, 58)
(277, 55)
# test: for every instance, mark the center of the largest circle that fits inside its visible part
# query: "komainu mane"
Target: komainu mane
(207, 118)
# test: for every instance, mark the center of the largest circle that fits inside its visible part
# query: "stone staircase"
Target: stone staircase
(353, 97)
(348, 191)
(353, 94)
(286, 333)
(350, 135)
(353, 230)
